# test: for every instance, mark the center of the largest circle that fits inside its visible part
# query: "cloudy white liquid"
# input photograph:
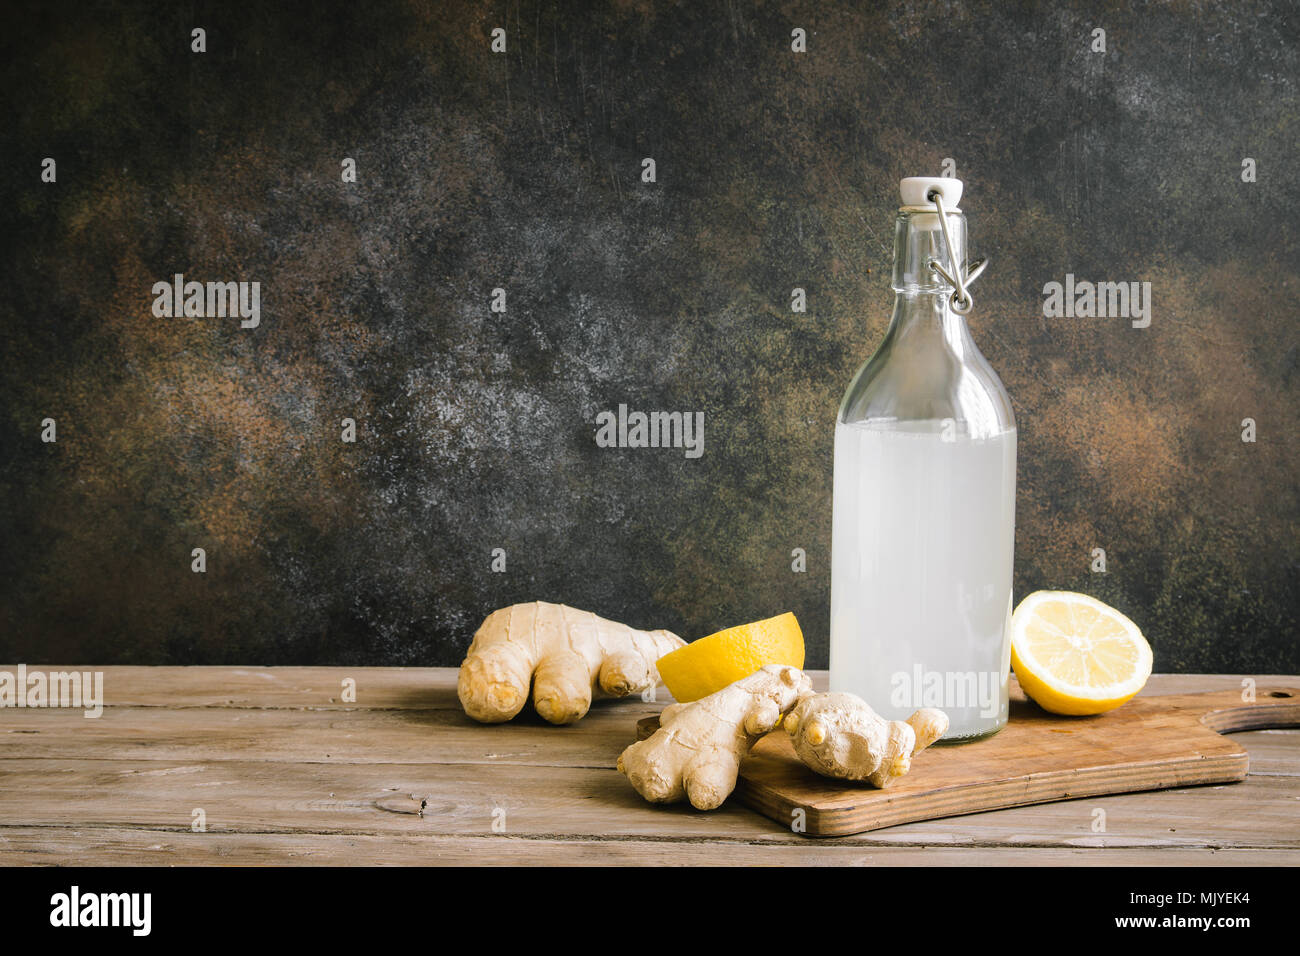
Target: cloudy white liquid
(923, 536)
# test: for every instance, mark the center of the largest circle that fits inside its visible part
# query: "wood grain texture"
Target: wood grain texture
(288, 773)
(128, 847)
(1151, 743)
(573, 802)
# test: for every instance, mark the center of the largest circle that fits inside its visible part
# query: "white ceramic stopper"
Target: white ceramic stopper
(916, 189)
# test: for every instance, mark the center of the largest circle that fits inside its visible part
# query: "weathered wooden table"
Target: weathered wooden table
(229, 765)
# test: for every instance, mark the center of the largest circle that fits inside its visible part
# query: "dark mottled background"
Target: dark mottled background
(522, 171)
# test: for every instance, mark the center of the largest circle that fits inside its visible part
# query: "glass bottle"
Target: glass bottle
(924, 497)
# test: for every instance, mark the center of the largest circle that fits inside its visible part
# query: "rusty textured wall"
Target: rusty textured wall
(522, 171)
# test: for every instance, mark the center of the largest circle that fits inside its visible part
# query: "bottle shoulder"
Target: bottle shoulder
(929, 379)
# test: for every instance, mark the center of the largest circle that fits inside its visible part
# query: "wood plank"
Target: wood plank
(1272, 751)
(382, 688)
(377, 799)
(331, 734)
(117, 847)
(388, 736)
(414, 688)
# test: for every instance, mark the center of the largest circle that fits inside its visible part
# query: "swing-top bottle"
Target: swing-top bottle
(924, 494)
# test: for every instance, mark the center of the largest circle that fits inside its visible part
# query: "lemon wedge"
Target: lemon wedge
(706, 666)
(1075, 655)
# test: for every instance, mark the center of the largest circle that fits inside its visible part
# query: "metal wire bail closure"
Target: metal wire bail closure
(961, 300)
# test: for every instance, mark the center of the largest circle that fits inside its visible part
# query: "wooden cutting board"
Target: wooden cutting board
(1150, 743)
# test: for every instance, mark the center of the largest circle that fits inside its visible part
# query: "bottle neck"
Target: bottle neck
(922, 303)
(918, 239)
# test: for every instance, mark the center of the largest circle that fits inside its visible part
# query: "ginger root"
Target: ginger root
(839, 735)
(697, 749)
(567, 657)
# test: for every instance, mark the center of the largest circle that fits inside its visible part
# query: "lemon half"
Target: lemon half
(706, 666)
(1075, 655)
